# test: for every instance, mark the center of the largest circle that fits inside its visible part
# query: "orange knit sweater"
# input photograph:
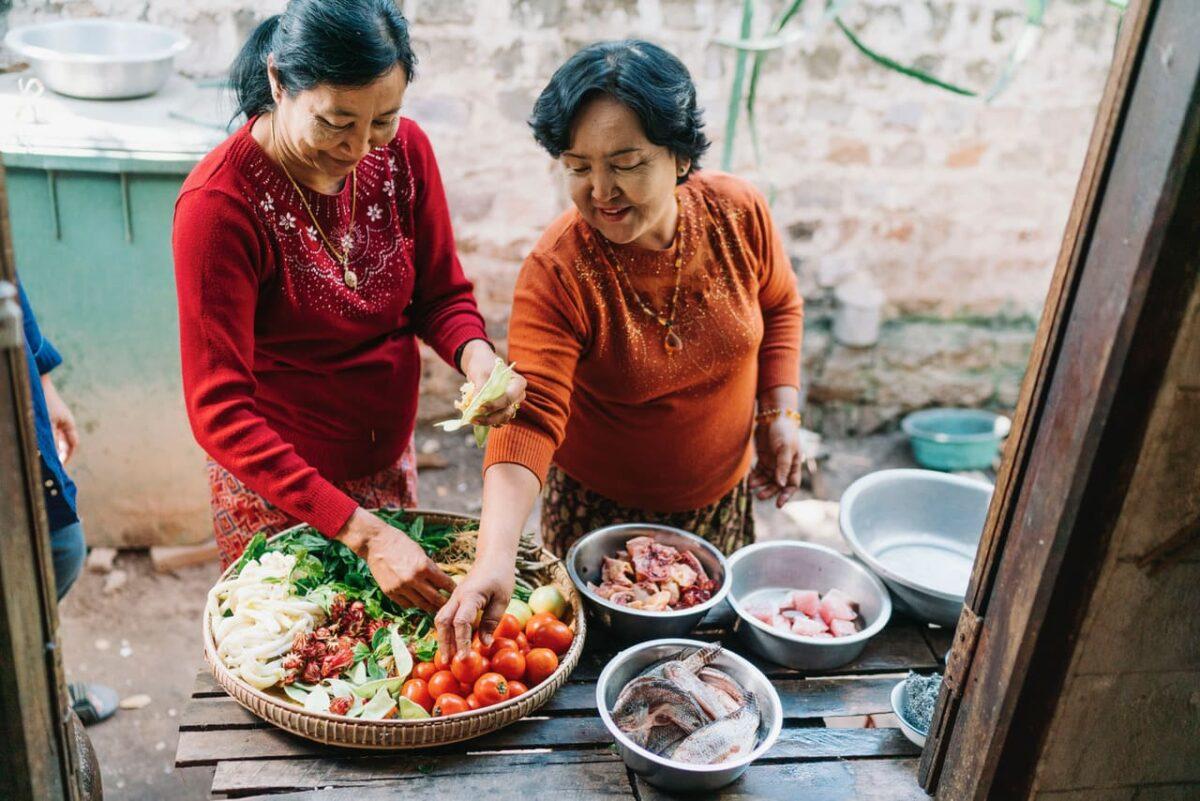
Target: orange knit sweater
(606, 402)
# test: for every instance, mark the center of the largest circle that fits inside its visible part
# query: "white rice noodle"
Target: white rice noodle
(255, 619)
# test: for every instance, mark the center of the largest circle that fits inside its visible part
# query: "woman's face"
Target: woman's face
(622, 183)
(329, 129)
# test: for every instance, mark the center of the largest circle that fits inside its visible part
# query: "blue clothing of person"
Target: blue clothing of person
(66, 533)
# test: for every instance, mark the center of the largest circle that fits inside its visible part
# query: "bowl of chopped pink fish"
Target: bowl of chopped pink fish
(643, 581)
(803, 605)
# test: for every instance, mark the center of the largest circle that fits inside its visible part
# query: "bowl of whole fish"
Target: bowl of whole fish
(803, 605)
(687, 715)
(643, 581)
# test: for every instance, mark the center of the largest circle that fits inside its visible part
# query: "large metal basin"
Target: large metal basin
(680, 777)
(98, 59)
(918, 530)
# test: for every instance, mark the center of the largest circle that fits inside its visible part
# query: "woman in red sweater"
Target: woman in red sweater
(312, 249)
(659, 324)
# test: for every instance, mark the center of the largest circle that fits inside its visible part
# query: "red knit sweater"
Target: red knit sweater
(292, 379)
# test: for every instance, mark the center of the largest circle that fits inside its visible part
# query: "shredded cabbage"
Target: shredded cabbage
(471, 401)
(256, 617)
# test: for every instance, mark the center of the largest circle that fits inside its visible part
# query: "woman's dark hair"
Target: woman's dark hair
(334, 42)
(654, 84)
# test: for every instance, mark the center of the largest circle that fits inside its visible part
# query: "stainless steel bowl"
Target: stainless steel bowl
(787, 564)
(585, 559)
(679, 776)
(919, 531)
(98, 59)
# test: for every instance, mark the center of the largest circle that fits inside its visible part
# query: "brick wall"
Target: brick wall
(956, 207)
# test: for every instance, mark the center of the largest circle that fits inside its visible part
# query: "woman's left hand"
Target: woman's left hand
(66, 435)
(777, 471)
(478, 360)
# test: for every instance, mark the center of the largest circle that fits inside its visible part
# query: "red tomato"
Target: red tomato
(423, 670)
(509, 663)
(491, 688)
(522, 643)
(468, 666)
(441, 661)
(539, 664)
(508, 627)
(449, 704)
(472, 702)
(516, 688)
(417, 691)
(498, 644)
(443, 682)
(556, 636)
(536, 622)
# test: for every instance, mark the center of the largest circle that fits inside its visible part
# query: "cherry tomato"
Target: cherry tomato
(556, 636)
(491, 688)
(441, 661)
(417, 691)
(536, 622)
(516, 688)
(472, 702)
(522, 643)
(539, 664)
(508, 627)
(449, 704)
(498, 645)
(509, 663)
(443, 682)
(423, 670)
(468, 666)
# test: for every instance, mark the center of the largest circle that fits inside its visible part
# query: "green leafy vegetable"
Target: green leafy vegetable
(473, 400)
(425, 649)
(254, 549)
(361, 652)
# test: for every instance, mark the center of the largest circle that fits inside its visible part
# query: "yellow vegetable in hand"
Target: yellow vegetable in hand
(548, 599)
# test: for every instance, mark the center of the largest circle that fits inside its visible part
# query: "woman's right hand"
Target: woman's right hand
(399, 565)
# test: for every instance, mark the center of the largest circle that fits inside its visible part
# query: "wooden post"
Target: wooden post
(1127, 270)
(36, 759)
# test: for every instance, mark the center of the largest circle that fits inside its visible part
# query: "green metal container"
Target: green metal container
(91, 193)
(956, 439)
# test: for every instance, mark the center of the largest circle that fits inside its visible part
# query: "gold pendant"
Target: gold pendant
(350, 278)
(672, 342)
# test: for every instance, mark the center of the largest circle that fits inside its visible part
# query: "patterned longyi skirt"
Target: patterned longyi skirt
(239, 512)
(570, 510)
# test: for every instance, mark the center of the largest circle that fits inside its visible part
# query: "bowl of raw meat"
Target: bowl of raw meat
(643, 581)
(803, 605)
(687, 716)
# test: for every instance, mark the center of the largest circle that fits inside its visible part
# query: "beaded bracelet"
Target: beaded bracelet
(769, 415)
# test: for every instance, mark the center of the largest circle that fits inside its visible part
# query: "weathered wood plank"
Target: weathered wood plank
(850, 780)
(284, 775)
(277, 775)
(592, 780)
(801, 698)
(900, 646)
(207, 747)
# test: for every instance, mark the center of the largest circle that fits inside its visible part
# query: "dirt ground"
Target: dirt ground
(144, 638)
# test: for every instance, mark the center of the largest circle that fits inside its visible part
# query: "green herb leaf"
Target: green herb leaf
(361, 652)
(254, 550)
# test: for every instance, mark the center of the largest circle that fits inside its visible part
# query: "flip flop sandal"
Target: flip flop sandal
(92, 702)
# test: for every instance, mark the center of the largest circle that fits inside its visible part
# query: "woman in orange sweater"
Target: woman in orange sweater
(658, 324)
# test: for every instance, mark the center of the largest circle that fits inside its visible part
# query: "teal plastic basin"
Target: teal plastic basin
(956, 439)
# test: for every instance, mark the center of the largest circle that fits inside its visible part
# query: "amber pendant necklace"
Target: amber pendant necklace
(672, 342)
(349, 277)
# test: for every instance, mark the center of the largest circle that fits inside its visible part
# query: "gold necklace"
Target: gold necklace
(671, 340)
(348, 276)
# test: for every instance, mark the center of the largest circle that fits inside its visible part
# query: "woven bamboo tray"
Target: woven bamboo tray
(396, 734)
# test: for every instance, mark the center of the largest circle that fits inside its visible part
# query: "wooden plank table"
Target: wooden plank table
(564, 749)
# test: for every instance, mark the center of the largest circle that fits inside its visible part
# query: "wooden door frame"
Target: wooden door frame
(38, 759)
(1127, 268)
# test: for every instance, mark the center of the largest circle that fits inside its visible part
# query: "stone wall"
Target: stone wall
(954, 206)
